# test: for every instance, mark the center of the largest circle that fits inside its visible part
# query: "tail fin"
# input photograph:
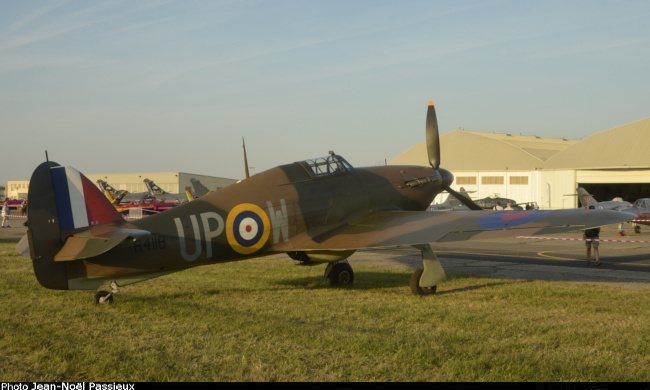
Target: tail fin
(62, 201)
(119, 198)
(199, 188)
(152, 188)
(585, 198)
(104, 186)
(109, 196)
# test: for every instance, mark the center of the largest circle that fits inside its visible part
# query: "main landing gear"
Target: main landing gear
(340, 273)
(107, 296)
(425, 280)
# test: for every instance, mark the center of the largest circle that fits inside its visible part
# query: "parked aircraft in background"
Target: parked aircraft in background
(451, 203)
(162, 195)
(642, 206)
(319, 210)
(153, 192)
(489, 202)
(12, 203)
(199, 189)
(149, 206)
(640, 209)
(643, 203)
(586, 200)
(120, 196)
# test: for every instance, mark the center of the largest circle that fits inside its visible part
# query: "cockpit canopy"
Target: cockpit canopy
(326, 166)
(643, 203)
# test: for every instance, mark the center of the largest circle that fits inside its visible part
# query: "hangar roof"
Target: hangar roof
(473, 150)
(621, 147)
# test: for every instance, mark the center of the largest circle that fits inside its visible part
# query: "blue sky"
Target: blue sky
(128, 86)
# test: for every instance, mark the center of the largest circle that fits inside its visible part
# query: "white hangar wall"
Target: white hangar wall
(557, 189)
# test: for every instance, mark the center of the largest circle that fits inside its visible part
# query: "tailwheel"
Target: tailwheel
(103, 297)
(340, 274)
(107, 296)
(415, 285)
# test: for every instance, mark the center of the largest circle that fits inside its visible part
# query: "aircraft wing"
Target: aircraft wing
(395, 228)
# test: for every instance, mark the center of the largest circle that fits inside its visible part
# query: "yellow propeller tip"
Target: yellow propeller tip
(431, 102)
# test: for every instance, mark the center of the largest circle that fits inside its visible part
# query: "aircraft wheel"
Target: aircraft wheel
(637, 229)
(341, 275)
(103, 297)
(415, 285)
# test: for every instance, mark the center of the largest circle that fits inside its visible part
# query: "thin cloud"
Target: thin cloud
(32, 16)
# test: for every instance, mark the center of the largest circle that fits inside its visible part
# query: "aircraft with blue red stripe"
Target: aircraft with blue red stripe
(13, 203)
(316, 211)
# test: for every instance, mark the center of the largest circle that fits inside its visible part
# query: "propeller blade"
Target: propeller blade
(464, 200)
(433, 140)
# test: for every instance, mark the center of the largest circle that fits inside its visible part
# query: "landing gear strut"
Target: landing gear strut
(425, 280)
(340, 273)
(107, 296)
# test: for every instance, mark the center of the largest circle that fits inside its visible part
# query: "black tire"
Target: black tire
(637, 229)
(102, 294)
(341, 275)
(415, 285)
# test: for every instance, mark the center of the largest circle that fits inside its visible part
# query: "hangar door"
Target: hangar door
(608, 184)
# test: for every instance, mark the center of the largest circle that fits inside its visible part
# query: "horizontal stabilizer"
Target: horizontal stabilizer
(95, 241)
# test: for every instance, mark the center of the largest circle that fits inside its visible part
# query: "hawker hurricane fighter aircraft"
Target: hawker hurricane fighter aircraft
(319, 211)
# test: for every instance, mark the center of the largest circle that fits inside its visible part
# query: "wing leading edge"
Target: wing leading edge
(395, 228)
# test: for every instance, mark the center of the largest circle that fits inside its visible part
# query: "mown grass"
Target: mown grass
(270, 320)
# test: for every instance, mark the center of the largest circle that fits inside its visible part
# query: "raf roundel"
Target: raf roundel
(247, 228)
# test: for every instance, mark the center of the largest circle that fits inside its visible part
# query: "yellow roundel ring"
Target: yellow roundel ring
(247, 228)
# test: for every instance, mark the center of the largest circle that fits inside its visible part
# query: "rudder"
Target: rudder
(62, 201)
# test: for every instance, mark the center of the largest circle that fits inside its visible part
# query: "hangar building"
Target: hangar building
(544, 170)
(608, 164)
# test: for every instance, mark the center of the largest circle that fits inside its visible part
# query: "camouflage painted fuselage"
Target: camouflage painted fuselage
(248, 219)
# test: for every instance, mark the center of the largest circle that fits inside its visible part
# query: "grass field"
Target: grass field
(270, 320)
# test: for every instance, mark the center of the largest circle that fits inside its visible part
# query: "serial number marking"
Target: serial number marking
(149, 244)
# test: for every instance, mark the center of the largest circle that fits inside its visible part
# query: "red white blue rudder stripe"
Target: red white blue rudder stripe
(79, 203)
